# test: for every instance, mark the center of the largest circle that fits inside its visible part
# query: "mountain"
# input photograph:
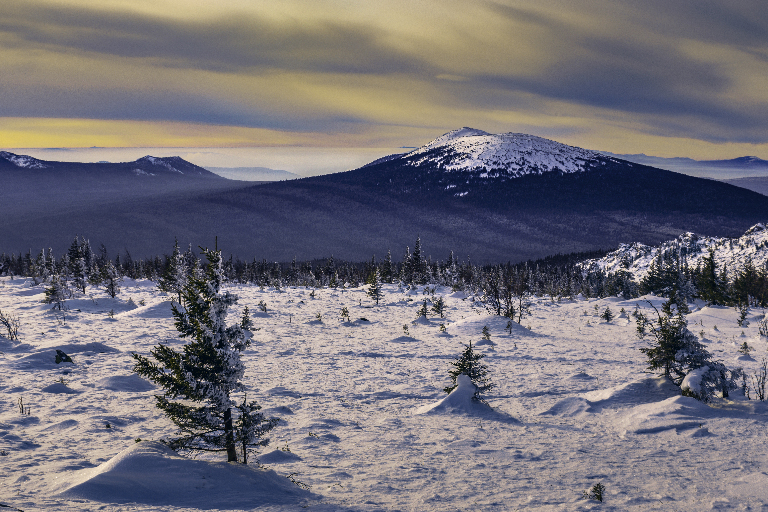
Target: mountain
(732, 253)
(493, 197)
(253, 173)
(745, 166)
(757, 184)
(30, 183)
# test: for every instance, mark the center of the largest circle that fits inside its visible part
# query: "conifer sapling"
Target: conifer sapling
(468, 363)
(207, 372)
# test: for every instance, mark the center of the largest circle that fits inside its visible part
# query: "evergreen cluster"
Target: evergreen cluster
(504, 289)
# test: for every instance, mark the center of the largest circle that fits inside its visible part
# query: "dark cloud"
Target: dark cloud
(233, 43)
(629, 58)
(642, 74)
(46, 100)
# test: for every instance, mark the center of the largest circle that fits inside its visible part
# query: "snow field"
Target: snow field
(364, 420)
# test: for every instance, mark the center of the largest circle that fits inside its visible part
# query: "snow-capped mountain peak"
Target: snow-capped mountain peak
(23, 161)
(505, 154)
(161, 162)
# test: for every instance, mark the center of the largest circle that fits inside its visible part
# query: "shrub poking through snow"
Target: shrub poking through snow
(11, 323)
(597, 492)
(607, 314)
(762, 327)
(759, 379)
(745, 349)
(345, 314)
(486, 333)
(207, 371)
(468, 363)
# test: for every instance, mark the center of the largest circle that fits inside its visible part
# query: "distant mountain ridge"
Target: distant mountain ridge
(734, 168)
(147, 165)
(492, 197)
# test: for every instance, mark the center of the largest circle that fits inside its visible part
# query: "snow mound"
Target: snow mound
(125, 383)
(278, 457)
(403, 339)
(677, 413)
(649, 389)
(472, 327)
(46, 357)
(60, 388)
(461, 401)
(159, 310)
(151, 473)
(571, 406)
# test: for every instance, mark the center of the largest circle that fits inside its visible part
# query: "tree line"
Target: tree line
(504, 288)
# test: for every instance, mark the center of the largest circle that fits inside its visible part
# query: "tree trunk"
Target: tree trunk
(229, 436)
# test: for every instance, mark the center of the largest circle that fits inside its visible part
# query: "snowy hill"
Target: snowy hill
(731, 252)
(501, 155)
(21, 161)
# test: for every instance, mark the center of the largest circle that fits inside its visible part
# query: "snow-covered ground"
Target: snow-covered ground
(364, 417)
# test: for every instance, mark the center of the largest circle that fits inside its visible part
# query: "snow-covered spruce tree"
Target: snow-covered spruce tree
(78, 267)
(207, 371)
(674, 349)
(57, 292)
(683, 359)
(111, 279)
(374, 289)
(468, 363)
(175, 276)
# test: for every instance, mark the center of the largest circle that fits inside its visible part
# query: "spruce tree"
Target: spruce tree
(374, 289)
(208, 371)
(78, 268)
(387, 268)
(111, 279)
(175, 276)
(674, 349)
(708, 283)
(468, 363)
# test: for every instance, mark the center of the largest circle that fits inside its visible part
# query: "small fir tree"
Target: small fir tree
(607, 314)
(439, 306)
(111, 279)
(468, 363)
(375, 290)
(675, 350)
(208, 371)
(175, 277)
(422, 312)
(57, 292)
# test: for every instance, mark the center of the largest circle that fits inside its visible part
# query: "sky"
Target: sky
(685, 78)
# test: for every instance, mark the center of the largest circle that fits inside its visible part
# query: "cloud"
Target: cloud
(686, 69)
(231, 42)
